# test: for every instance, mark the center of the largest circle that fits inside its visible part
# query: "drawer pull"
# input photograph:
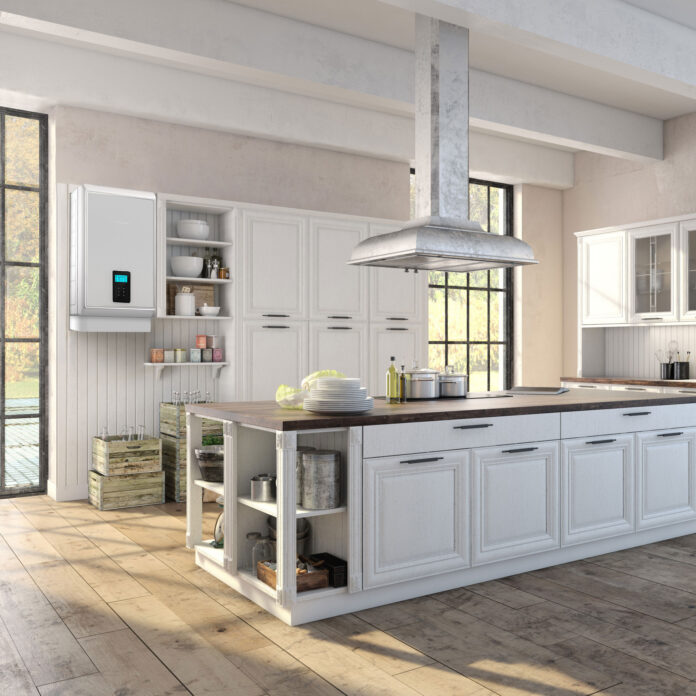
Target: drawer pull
(339, 328)
(421, 461)
(396, 328)
(669, 434)
(397, 318)
(587, 386)
(687, 391)
(275, 316)
(275, 326)
(520, 449)
(651, 318)
(638, 413)
(339, 316)
(599, 442)
(473, 427)
(636, 389)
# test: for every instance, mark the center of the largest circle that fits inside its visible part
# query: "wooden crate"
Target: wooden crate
(114, 456)
(127, 490)
(174, 465)
(204, 294)
(305, 581)
(173, 422)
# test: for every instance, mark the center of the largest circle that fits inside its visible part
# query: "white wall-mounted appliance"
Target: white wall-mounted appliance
(112, 259)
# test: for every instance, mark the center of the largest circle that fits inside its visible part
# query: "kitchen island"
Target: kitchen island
(442, 494)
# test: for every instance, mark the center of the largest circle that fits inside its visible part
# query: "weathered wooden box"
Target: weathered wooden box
(114, 456)
(126, 490)
(305, 581)
(173, 422)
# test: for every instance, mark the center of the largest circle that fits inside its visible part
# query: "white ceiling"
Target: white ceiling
(378, 21)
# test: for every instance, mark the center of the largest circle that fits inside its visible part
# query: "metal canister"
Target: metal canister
(321, 480)
(169, 355)
(301, 449)
(207, 355)
(181, 355)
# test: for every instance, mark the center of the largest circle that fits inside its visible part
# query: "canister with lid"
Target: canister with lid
(301, 449)
(321, 480)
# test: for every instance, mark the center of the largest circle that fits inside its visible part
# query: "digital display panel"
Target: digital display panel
(120, 278)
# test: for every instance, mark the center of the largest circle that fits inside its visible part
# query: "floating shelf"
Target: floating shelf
(272, 508)
(217, 366)
(182, 241)
(197, 317)
(218, 488)
(212, 281)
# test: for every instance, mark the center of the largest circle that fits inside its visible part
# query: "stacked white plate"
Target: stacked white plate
(338, 395)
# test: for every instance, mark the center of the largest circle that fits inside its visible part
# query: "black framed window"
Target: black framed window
(23, 306)
(470, 314)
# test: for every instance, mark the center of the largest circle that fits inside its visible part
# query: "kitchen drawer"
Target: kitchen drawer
(636, 388)
(627, 420)
(407, 438)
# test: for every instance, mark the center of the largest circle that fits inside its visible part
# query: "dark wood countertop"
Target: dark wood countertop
(267, 414)
(632, 381)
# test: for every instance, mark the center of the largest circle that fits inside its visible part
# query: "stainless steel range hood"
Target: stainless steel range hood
(443, 237)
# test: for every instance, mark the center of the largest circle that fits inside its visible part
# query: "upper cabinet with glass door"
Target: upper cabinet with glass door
(687, 285)
(653, 268)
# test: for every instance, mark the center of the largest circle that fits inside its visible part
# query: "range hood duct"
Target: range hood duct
(442, 238)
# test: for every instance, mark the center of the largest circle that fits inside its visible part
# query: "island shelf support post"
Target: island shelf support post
(286, 457)
(194, 494)
(231, 539)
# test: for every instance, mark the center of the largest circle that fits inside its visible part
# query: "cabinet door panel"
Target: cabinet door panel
(394, 294)
(515, 501)
(340, 347)
(272, 354)
(687, 277)
(336, 289)
(603, 286)
(274, 266)
(597, 489)
(402, 537)
(406, 343)
(666, 482)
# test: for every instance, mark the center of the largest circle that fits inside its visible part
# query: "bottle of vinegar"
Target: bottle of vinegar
(393, 391)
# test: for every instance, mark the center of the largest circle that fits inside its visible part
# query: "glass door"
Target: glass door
(688, 277)
(653, 265)
(23, 308)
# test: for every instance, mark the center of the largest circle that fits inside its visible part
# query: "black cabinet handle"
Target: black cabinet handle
(396, 328)
(421, 461)
(587, 386)
(339, 328)
(599, 442)
(275, 326)
(651, 318)
(397, 318)
(687, 391)
(520, 449)
(276, 316)
(638, 413)
(473, 427)
(669, 434)
(338, 316)
(636, 389)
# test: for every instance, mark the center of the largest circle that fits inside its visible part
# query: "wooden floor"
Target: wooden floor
(96, 603)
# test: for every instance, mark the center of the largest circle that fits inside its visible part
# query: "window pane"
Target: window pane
(21, 378)
(436, 278)
(497, 316)
(478, 373)
(458, 279)
(478, 321)
(497, 211)
(456, 310)
(436, 314)
(21, 151)
(21, 302)
(498, 278)
(22, 226)
(478, 279)
(22, 452)
(456, 356)
(497, 368)
(478, 204)
(436, 356)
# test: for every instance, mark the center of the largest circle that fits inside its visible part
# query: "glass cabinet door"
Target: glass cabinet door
(690, 275)
(654, 272)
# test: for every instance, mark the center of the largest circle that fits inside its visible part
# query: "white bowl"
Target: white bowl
(193, 229)
(186, 266)
(207, 311)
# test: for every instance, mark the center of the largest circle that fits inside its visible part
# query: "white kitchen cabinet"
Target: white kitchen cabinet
(273, 269)
(415, 516)
(336, 290)
(515, 501)
(395, 295)
(406, 342)
(653, 273)
(339, 346)
(666, 468)
(687, 275)
(586, 385)
(603, 278)
(597, 488)
(274, 352)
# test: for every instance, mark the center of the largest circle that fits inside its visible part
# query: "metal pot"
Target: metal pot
(421, 383)
(453, 385)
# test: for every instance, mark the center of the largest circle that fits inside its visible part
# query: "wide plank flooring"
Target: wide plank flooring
(112, 603)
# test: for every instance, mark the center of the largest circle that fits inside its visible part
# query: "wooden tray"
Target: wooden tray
(305, 581)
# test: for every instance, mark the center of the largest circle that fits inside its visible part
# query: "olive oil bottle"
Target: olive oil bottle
(393, 383)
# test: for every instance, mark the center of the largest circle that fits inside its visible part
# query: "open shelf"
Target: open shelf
(212, 281)
(218, 488)
(160, 366)
(217, 556)
(272, 508)
(247, 576)
(197, 317)
(181, 241)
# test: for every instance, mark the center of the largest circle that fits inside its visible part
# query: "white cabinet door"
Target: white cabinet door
(597, 488)
(666, 465)
(416, 514)
(339, 346)
(273, 267)
(273, 353)
(653, 274)
(336, 290)
(394, 294)
(603, 278)
(515, 501)
(687, 275)
(406, 342)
